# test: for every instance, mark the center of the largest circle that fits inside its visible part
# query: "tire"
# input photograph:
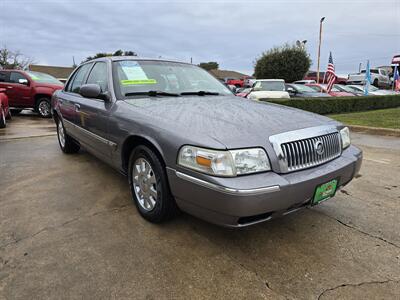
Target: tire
(43, 107)
(376, 83)
(3, 122)
(149, 186)
(8, 116)
(15, 111)
(67, 144)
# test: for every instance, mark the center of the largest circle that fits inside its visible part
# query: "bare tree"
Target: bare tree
(14, 59)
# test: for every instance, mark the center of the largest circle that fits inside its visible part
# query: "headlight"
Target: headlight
(345, 135)
(224, 163)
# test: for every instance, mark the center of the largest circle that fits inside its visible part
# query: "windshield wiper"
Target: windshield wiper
(200, 93)
(153, 94)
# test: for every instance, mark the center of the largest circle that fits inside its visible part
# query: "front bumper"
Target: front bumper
(251, 199)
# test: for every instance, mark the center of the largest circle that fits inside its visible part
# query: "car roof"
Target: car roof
(118, 58)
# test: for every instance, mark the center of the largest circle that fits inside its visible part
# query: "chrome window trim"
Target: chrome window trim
(227, 190)
(95, 136)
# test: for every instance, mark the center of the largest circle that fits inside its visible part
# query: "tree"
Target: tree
(211, 65)
(287, 62)
(14, 59)
(116, 53)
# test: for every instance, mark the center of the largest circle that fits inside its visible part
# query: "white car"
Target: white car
(268, 89)
(379, 78)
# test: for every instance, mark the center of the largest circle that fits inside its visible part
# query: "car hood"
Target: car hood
(50, 86)
(234, 122)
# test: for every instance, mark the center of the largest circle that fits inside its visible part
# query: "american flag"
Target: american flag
(330, 73)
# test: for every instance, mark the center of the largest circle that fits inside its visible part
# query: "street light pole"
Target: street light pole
(319, 46)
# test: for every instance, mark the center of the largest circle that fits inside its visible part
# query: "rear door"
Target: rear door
(94, 113)
(69, 101)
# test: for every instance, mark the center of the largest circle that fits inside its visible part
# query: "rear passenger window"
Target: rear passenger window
(98, 75)
(78, 78)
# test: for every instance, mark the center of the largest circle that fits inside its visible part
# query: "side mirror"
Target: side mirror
(291, 90)
(257, 89)
(23, 81)
(92, 90)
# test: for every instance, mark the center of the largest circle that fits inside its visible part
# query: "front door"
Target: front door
(19, 95)
(94, 114)
(69, 100)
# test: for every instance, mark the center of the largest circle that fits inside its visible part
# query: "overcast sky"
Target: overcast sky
(233, 33)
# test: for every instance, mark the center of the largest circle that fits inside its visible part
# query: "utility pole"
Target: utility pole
(319, 46)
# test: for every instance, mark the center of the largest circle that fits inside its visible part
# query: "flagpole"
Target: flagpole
(319, 46)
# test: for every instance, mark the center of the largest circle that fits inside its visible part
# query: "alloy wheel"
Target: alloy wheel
(61, 133)
(144, 184)
(44, 108)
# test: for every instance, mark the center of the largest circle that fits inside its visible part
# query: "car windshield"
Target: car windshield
(344, 88)
(43, 78)
(333, 88)
(303, 88)
(270, 85)
(138, 77)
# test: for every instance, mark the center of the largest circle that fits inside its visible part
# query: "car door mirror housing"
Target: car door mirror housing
(92, 90)
(291, 90)
(23, 81)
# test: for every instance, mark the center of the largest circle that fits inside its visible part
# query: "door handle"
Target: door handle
(77, 107)
(9, 87)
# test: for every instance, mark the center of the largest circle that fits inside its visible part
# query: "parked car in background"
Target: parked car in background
(27, 89)
(197, 147)
(372, 90)
(5, 113)
(243, 92)
(267, 89)
(379, 78)
(312, 75)
(235, 81)
(303, 91)
(322, 88)
(348, 89)
(304, 81)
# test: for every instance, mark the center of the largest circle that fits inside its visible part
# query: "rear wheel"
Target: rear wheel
(8, 116)
(3, 122)
(43, 107)
(149, 186)
(67, 144)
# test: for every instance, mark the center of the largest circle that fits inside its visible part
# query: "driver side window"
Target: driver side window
(15, 77)
(78, 79)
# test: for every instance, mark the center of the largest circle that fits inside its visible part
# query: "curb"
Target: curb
(375, 130)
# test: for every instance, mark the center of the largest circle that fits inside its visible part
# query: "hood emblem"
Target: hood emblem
(319, 147)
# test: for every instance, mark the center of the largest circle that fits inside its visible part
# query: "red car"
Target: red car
(27, 89)
(321, 88)
(313, 76)
(4, 109)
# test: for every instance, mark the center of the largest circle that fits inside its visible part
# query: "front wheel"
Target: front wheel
(149, 186)
(376, 83)
(67, 144)
(3, 122)
(44, 108)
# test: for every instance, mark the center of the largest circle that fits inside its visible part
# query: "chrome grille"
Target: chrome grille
(304, 153)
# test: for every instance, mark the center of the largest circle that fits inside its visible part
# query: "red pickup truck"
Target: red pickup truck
(27, 89)
(313, 76)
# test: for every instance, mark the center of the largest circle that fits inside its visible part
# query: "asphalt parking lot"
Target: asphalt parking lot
(68, 230)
